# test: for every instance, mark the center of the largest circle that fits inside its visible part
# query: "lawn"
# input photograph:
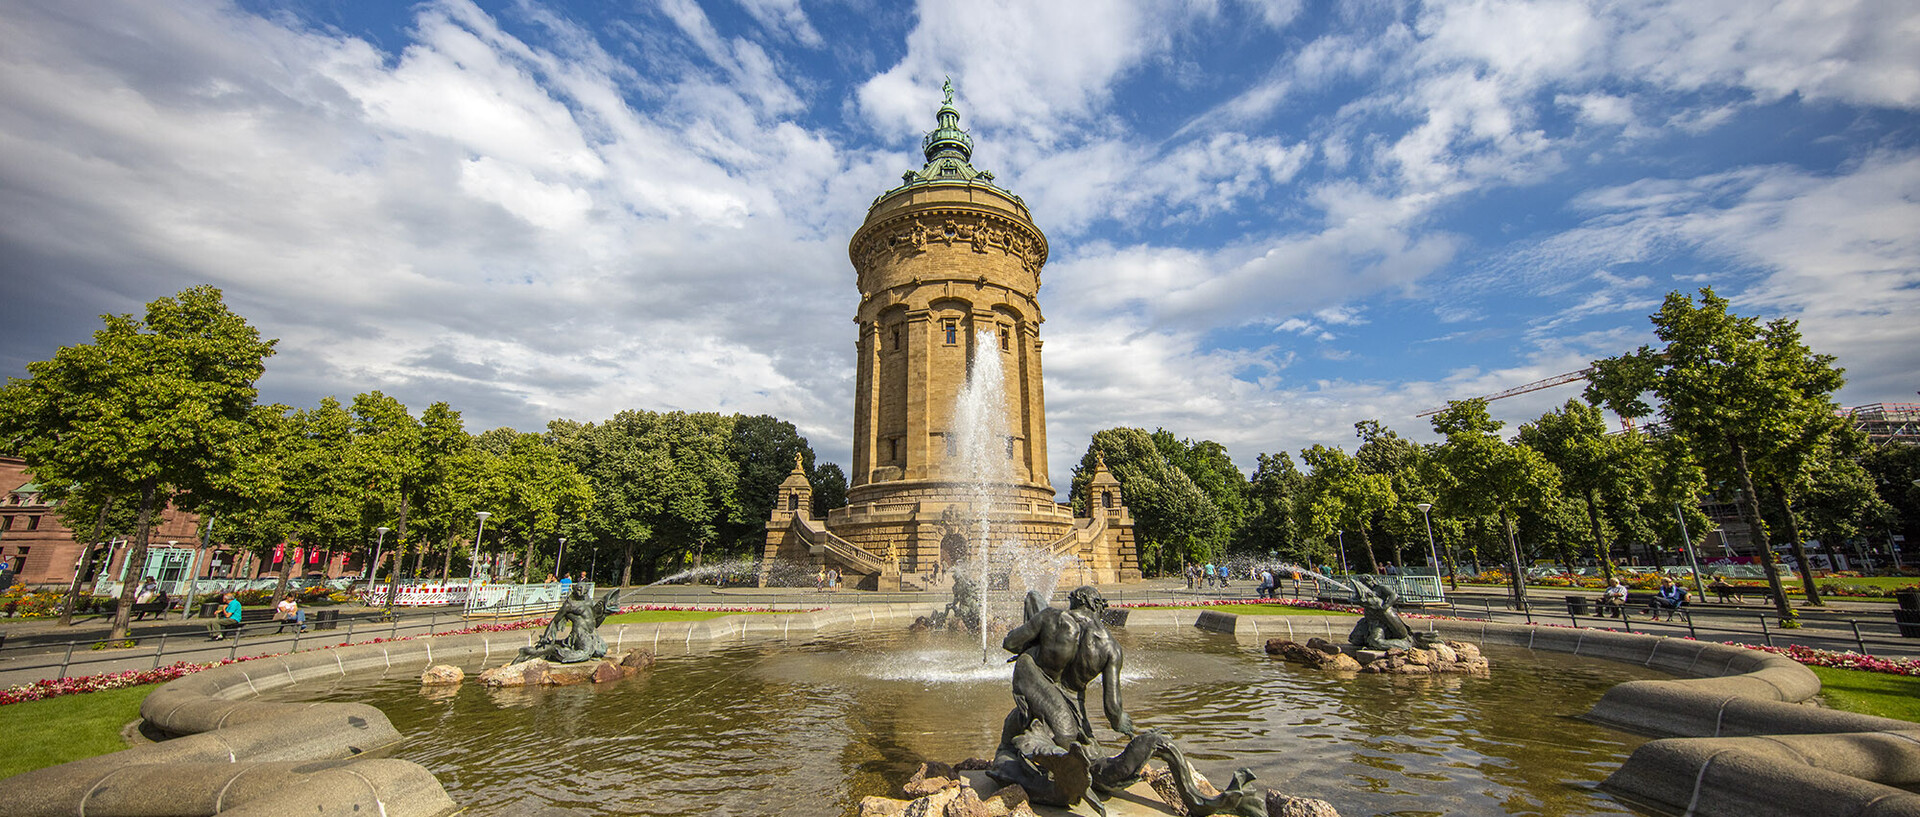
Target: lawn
(648, 616)
(58, 730)
(1870, 693)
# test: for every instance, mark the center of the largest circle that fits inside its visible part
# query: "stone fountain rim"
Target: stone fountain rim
(1746, 703)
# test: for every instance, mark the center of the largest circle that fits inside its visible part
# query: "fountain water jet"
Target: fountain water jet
(983, 453)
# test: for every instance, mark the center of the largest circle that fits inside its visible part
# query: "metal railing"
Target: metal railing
(151, 651)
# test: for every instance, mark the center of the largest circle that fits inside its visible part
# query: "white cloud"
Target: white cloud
(784, 16)
(1040, 69)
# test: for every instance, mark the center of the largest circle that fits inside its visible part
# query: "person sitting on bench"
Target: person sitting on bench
(229, 619)
(1722, 588)
(1613, 602)
(1670, 598)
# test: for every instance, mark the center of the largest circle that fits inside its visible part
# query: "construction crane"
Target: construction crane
(1626, 423)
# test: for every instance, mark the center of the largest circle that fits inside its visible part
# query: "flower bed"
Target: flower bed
(48, 688)
(1841, 660)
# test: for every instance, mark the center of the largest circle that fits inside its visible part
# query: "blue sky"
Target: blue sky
(1268, 220)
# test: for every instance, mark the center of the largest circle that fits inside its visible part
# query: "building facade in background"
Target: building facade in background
(41, 550)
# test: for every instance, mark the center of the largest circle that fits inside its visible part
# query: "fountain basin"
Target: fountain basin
(222, 707)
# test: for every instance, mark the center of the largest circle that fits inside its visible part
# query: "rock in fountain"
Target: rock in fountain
(1382, 642)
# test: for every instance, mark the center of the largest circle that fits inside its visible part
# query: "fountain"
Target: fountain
(1002, 568)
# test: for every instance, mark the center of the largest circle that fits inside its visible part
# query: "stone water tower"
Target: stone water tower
(940, 259)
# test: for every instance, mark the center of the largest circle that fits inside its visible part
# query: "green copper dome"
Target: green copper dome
(949, 152)
(948, 140)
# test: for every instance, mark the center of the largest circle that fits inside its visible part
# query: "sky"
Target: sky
(1268, 220)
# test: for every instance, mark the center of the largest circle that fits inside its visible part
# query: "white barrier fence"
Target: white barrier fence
(519, 596)
(418, 595)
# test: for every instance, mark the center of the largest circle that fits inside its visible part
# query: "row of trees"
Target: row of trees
(1743, 411)
(162, 411)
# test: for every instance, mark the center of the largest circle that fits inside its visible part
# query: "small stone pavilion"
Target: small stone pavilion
(945, 256)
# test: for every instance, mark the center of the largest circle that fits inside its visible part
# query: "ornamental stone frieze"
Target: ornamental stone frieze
(978, 231)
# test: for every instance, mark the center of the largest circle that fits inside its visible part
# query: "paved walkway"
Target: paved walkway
(40, 649)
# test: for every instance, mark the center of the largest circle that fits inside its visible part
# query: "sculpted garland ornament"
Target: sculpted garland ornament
(914, 234)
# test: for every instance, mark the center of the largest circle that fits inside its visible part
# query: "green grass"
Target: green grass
(1870, 693)
(646, 616)
(1255, 609)
(58, 730)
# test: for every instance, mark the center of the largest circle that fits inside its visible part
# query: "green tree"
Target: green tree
(81, 509)
(1478, 473)
(1894, 469)
(1593, 466)
(1273, 494)
(1840, 504)
(829, 488)
(663, 484)
(1344, 497)
(1787, 469)
(1208, 466)
(531, 492)
(1398, 459)
(762, 449)
(1174, 520)
(447, 488)
(389, 451)
(1729, 386)
(155, 408)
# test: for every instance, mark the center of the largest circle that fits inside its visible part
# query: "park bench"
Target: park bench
(1645, 601)
(158, 607)
(248, 618)
(1726, 592)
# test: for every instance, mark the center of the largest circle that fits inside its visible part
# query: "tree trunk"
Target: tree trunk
(1366, 544)
(1519, 576)
(626, 566)
(1600, 549)
(399, 552)
(83, 563)
(1833, 551)
(287, 558)
(446, 559)
(1749, 505)
(1794, 540)
(136, 559)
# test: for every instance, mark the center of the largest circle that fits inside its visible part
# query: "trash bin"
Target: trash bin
(326, 619)
(210, 609)
(1908, 616)
(1577, 605)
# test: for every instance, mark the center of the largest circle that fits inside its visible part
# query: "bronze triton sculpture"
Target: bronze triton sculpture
(1047, 741)
(570, 637)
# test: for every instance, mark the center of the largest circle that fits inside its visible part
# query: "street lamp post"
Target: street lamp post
(473, 570)
(557, 556)
(1433, 553)
(373, 567)
(1686, 541)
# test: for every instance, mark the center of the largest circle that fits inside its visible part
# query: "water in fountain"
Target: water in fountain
(997, 559)
(747, 570)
